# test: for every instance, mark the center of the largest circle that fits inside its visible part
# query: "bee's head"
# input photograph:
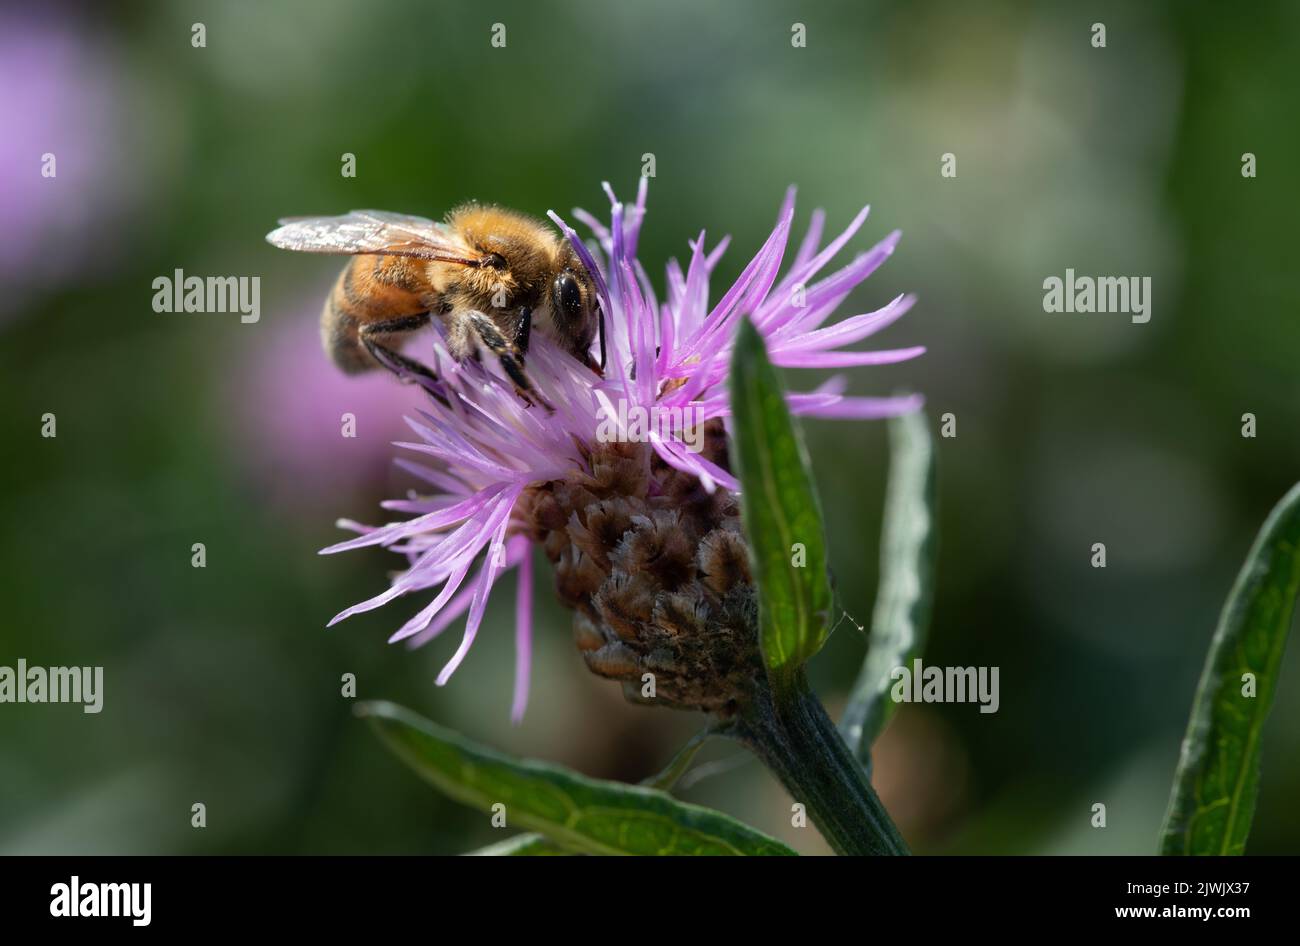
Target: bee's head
(575, 308)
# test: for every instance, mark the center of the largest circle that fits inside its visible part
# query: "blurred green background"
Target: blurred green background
(222, 684)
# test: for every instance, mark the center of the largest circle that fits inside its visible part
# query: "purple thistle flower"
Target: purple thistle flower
(489, 449)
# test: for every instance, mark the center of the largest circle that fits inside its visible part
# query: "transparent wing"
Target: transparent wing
(374, 231)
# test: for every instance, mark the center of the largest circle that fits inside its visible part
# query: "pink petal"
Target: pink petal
(523, 633)
(846, 359)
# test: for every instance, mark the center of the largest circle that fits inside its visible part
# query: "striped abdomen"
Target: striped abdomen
(372, 290)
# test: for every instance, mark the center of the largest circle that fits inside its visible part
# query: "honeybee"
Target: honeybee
(489, 274)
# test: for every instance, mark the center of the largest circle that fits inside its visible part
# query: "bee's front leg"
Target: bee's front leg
(510, 353)
(523, 331)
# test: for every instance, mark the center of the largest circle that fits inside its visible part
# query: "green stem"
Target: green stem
(788, 729)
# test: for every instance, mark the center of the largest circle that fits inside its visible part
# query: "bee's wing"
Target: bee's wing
(374, 231)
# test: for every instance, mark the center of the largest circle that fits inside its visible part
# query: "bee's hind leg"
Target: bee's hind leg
(510, 354)
(407, 369)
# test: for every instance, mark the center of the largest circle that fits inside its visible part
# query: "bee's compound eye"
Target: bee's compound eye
(494, 261)
(568, 297)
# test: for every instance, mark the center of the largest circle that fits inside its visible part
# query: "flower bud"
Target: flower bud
(657, 571)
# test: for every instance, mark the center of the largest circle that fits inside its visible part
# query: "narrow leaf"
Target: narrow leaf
(536, 845)
(907, 557)
(522, 845)
(783, 519)
(587, 815)
(1213, 797)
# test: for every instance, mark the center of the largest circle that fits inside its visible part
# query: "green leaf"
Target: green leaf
(907, 560)
(587, 815)
(536, 845)
(522, 845)
(782, 517)
(1213, 798)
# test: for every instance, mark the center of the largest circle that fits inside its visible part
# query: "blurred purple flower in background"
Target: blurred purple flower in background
(298, 453)
(488, 448)
(60, 99)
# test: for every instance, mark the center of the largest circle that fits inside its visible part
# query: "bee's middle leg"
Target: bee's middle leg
(395, 361)
(408, 369)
